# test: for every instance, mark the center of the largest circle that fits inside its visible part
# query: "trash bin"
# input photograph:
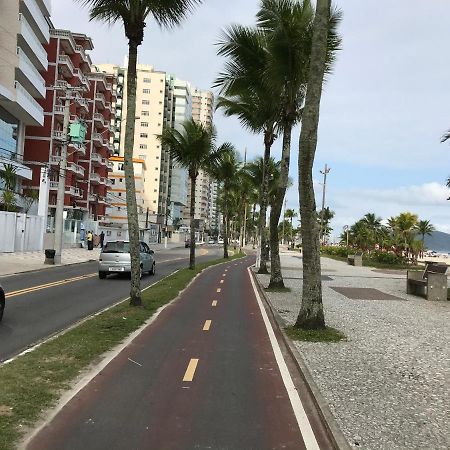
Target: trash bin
(49, 256)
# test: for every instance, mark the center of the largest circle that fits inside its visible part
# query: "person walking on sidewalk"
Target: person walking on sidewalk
(90, 240)
(102, 239)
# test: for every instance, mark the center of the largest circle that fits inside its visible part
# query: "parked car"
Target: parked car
(115, 258)
(2, 302)
(211, 241)
(220, 240)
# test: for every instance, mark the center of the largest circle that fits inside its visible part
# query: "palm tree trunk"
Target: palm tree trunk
(268, 139)
(133, 224)
(225, 233)
(192, 215)
(276, 277)
(311, 314)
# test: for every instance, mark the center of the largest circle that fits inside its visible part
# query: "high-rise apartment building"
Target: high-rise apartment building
(90, 94)
(24, 30)
(206, 187)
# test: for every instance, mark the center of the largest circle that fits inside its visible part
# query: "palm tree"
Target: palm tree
(424, 227)
(133, 14)
(9, 177)
(291, 214)
(245, 94)
(373, 227)
(193, 148)
(225, 171)
(311, 314)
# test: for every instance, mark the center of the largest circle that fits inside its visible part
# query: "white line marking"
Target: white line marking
(218, 289)
(299, 411)
(221, 281)
(214, 303)
(135, 362)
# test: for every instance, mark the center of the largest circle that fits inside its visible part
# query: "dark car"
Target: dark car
(2, 302)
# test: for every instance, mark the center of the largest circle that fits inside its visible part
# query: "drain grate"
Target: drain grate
(364, 293)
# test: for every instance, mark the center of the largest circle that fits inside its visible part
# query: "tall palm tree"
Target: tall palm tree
(9, 177)
(311, 314)
(246, 94)
(424, 227)
(193, 148)
(288, 26)
(133, 14)
(373, 227)
(225, 171)
(291, 214)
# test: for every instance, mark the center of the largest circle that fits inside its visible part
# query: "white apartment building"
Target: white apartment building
(116, 196)
(150, 91)
(24, 30)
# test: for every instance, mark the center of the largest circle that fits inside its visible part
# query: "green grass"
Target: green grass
(328, 334)
(375, 264)
(33, 382)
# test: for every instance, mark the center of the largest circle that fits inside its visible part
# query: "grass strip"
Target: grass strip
(34, 382)
(277, 289)
(328, 334)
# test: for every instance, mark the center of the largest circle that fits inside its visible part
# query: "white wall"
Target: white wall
(20, 232)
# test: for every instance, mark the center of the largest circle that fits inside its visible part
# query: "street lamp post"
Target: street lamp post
(325, 172)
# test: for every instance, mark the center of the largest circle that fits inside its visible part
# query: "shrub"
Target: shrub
(336, 251)
(386, 258)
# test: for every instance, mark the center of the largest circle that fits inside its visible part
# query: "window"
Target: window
(146, 91)
(144, 124)
(156, 168)
(121, 168)
(120, 180)
(143, 146)
(155, 190)
(146, 102)
(120, 194)
(143, 135)
(147, 80)
(113, 181)
(145, 113)
(157, 157)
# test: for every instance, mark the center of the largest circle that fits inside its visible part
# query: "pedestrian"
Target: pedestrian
(102, 239)
(90, 240)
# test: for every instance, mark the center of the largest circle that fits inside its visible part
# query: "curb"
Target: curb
(334, 432)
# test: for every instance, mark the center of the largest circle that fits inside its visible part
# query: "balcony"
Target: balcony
(76, 169)
(77, 148)
(100, 101)
(29, 76)
(97, 139)
(92, 197)
(71, 190)
(84, 56)
(81, 102)
(61, 85)
(41, 26)
(94, 178)
(54, 159)
(82, 78)
(66, 37)
(100, 78)
(99, 120)
(96, 158)
(29, 40)
(58, 135)
(26, 107)
(66, 66)
(109, 165)
(105, 181)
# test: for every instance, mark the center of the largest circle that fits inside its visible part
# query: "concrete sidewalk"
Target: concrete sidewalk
(388, 384)
(12, 263)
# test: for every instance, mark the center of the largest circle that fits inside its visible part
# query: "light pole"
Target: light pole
(345, 228)
(322, 215)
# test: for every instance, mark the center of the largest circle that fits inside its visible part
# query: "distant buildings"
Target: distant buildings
(162, 100)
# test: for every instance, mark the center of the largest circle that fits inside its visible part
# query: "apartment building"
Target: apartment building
(71, 76)
(24, 30)
(206, 187)
(117, 208)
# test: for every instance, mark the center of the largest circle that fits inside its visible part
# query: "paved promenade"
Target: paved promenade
(388, 385)
(11, 263)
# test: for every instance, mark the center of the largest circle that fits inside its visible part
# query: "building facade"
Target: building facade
(24, 31)
(70, 80)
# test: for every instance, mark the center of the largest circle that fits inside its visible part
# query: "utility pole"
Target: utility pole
(322, 215)
(59, 213)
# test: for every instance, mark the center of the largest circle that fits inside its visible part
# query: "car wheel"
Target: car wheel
(102, 275)
(2, 304)
(153, 271)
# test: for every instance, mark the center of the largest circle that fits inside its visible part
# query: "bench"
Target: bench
(431, 283)
(354, 260)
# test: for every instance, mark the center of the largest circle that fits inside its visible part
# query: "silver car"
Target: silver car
(115, 258)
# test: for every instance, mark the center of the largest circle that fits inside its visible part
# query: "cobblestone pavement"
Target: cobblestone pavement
(388, 385)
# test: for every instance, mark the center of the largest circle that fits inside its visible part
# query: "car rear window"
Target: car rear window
(116, 247)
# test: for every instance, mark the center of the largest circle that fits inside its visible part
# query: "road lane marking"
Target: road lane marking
(302, 419)
(190, 371)
(218, 289)
(214, 303)
(224, 274)
(226, 270)
(207, 325)
(48, 285)
(221, 281)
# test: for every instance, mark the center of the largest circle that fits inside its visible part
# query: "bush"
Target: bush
(336, 251)
(386, 258)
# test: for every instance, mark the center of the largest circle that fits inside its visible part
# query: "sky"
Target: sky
(384, 108)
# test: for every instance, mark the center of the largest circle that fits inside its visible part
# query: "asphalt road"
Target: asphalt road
(202, 376)
(42, 303)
